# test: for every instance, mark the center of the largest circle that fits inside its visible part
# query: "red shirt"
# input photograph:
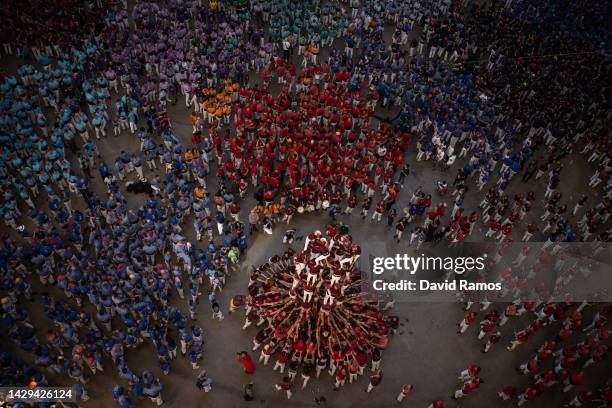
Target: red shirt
(470, 386)
(561, 375)
(470, 318)
(282, 357)
(487, 326)
(473, 370)
(577, 377)
(375, 379)
(362, 358)
(564, 334)
(247, 363)
(531, 393)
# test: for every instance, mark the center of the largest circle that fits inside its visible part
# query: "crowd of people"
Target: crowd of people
(108, 269)
(307, 107)
(314, 315)
(566, 348)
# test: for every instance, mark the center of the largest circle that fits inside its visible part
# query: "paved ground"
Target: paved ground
(426, 352)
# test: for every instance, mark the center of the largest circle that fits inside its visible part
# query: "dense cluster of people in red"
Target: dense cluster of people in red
(311, 145)
(314, 314)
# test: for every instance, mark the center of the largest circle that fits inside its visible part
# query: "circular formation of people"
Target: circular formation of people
(295, 108)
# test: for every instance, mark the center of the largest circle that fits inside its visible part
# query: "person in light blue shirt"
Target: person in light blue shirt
(132, 120)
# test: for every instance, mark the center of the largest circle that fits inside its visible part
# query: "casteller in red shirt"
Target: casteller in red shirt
(247, 363)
